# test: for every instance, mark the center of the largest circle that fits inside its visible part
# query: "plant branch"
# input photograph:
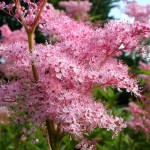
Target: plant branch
(38, 16)
(18, 7)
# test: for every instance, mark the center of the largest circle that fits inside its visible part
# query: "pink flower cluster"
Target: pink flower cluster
(10, 37)
(77, 9)
(140, 13)
(140, 120)
(86, 144)
(62, 94)
(81, 60)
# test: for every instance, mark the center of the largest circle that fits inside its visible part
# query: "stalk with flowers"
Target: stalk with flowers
(53, 83)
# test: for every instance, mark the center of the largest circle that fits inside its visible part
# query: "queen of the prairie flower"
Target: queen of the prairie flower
(54, 82)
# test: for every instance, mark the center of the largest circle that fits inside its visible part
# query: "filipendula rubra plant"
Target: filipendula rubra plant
(54, 82)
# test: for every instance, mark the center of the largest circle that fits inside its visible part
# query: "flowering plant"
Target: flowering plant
(53, 83)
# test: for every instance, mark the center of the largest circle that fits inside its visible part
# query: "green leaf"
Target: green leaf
(145, 71)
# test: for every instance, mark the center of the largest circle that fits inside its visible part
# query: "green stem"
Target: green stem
(120, 141)
(54, 135)
(38, 16)
(96, 7)
(30, 41)
(30, 34)
(18, 7)
(79, 17)
(31, 46)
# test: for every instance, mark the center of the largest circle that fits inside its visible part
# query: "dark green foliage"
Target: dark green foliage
(7, 19)
(12, 22)
(101, 9)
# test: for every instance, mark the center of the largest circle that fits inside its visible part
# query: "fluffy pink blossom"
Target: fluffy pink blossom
(9, 36)
(77, 9)
(140, 120)
(15, 58)
(121, 34)
(82, 59)
(60, 93)
(5, 31)
(138, 12)
(86, 144)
